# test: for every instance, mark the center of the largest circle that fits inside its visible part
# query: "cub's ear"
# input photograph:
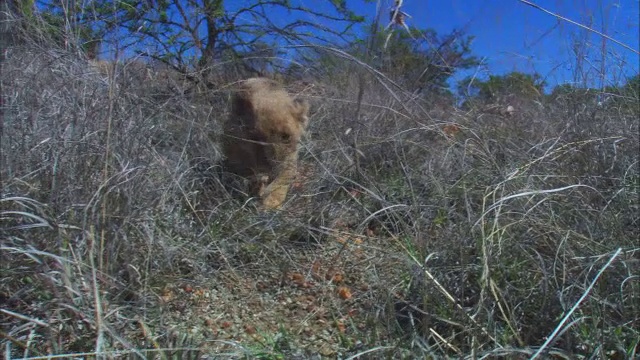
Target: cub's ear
(301, 110)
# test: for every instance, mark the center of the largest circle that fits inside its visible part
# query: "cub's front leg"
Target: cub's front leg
(274, 194)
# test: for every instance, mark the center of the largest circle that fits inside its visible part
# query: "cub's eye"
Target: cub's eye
(285, 137)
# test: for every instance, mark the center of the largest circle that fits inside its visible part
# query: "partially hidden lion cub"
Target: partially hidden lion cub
(261, 137)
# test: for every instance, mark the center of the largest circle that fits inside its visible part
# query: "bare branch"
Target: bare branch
(580, 25)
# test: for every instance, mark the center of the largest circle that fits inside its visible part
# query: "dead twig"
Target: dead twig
(397, 17)
(580, 25)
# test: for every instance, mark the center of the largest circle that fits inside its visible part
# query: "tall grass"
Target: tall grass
(507, 237)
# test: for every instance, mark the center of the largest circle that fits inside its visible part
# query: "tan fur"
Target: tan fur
(261, 138)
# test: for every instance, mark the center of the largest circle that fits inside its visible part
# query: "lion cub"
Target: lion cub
(261, 138)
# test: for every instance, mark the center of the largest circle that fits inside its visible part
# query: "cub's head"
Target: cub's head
(265, 110)
(285, 128)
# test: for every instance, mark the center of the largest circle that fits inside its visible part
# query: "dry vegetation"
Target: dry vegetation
(415, 231)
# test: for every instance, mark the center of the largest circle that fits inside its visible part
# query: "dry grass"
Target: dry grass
(119, 239)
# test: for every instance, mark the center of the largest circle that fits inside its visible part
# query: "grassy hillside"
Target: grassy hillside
(415, 230)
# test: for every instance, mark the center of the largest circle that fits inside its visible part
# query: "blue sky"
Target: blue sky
(511, 36)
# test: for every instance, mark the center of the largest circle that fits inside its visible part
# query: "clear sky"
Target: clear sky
(513, 36)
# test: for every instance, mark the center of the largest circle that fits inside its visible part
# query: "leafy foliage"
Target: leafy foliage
(517, 84)
(422, 60)
(624, 98)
